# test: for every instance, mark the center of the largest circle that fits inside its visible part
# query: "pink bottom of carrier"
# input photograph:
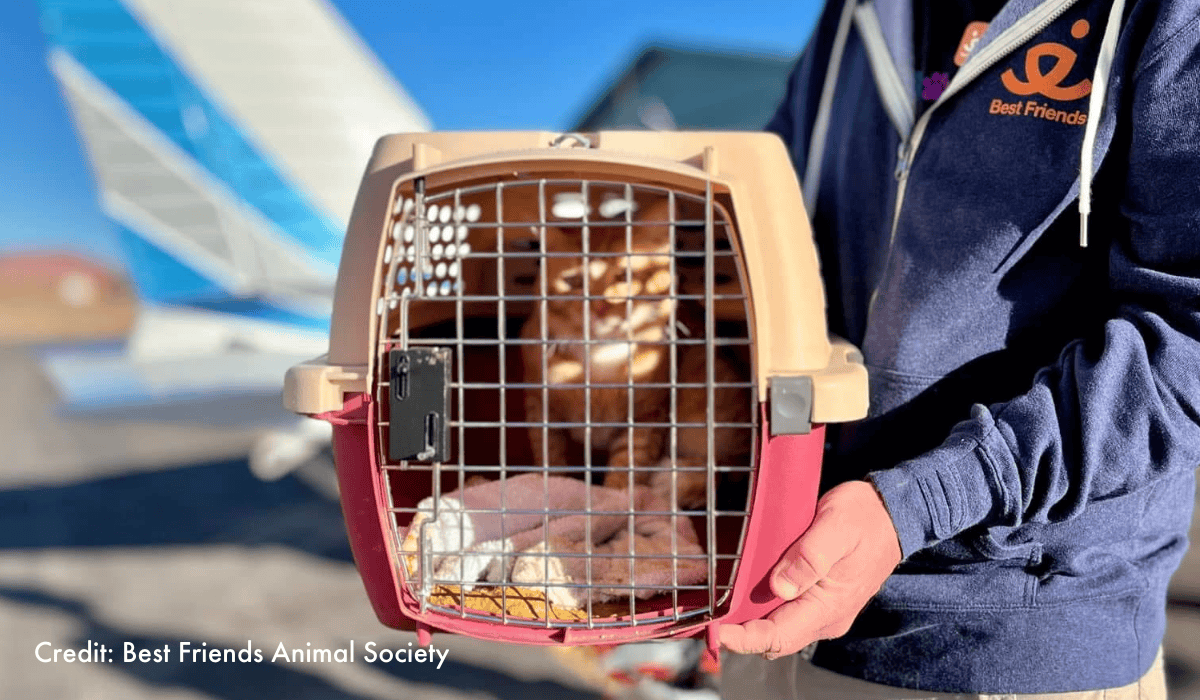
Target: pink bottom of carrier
(782, 505)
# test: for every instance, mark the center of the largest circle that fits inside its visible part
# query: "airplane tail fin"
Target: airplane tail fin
(227, 140)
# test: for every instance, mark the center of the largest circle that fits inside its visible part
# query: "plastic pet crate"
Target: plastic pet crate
(578, 382)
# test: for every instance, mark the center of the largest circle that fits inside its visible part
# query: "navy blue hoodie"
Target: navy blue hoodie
(1035, 403)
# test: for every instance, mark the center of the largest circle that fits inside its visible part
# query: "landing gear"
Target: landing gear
(303, 451)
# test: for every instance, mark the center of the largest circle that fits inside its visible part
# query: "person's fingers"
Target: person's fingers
(753, 637)
(802, 622)
(826, 576)
(838, 628)
(789, 629)
(810, 558)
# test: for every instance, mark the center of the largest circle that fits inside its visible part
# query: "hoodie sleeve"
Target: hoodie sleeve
(1115, 413)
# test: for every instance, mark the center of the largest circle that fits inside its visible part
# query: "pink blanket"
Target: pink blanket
(536, 531)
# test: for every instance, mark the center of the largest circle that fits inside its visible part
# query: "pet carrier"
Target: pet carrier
(578, 383)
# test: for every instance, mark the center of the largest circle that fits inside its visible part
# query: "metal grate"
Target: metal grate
(497, 274)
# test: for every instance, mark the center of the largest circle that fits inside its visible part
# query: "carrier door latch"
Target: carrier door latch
(791, 405)
(419, 400)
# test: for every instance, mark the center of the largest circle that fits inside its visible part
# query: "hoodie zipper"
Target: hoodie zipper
(991, 54)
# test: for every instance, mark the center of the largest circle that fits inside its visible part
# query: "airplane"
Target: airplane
(227, 140)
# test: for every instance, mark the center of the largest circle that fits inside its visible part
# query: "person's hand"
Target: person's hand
(828, 575)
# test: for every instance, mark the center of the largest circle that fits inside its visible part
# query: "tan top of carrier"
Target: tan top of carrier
(747, 175)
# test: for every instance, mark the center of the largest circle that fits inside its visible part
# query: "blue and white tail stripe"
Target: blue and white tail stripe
(214, 207)
(154, 190)
(107, 43)
(227, 139)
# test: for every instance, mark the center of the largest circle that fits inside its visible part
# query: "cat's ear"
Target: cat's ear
(659, 209)
(654, 218)
(657, 215)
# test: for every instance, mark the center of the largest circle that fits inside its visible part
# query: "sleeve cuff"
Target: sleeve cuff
(943, 492)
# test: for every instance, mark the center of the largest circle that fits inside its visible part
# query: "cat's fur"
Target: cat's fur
(612, 319)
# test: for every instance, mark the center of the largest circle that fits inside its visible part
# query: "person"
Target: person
(1006, 201)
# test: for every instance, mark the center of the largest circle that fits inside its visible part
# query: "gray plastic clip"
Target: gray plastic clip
(791, 405)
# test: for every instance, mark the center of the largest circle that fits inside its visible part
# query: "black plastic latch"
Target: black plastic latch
(419, 399)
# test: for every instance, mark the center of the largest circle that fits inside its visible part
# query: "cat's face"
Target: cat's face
(630, 284)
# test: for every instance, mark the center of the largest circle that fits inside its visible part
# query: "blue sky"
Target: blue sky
(523, 64)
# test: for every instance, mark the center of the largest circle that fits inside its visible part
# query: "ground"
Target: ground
(153, 534)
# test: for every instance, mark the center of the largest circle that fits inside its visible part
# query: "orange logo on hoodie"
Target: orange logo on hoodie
(970, 39)
(1050, 84)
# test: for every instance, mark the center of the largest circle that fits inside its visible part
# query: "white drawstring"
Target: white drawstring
(1108, 47)
(816, 145)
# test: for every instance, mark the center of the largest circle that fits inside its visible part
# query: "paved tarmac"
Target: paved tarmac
(156, 534)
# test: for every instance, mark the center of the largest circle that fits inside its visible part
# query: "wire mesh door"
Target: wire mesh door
(567, 418)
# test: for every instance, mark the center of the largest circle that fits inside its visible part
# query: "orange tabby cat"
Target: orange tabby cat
(635, 332)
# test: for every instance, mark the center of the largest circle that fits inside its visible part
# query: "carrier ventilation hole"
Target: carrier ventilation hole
(446, 236)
